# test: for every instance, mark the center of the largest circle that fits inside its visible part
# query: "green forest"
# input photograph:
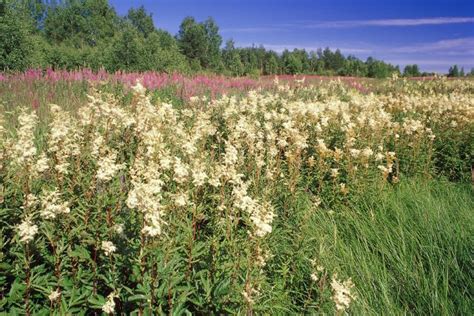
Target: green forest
(73, 34)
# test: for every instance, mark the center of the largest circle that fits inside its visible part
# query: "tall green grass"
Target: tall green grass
(408, 249)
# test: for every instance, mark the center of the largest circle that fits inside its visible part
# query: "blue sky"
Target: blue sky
(433, 34)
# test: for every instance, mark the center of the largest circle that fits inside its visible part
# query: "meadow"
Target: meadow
(146, 194)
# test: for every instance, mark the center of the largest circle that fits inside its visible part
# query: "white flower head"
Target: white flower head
(108, 168)
(42, 164)
(342, 293)
(108, 247)
(109, 305)
(154, 222)
(118, 228)
(27, 230)
(25, 148)
(54, 296)
(181, 199)
(52, 206)
(139, 88)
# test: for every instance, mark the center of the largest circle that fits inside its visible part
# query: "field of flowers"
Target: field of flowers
(250, 196)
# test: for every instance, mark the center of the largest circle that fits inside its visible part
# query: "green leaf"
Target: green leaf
(97, 301)
(137, 297)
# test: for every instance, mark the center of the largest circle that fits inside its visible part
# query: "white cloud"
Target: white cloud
(351, 24)
(433, 62)
(252, 29)
(391, 22)
(449, 46)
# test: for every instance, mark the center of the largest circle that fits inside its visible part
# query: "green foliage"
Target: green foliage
(16, 49)
(80, 22)
(454, 71)
(63, 56)
(214, 41)
(231, 59)
(89, 33)
(141, 20)
(379, 69)
(161, 53)
(200, 43)
(411, 71)
(126, 51)
(270, 66)
(291, 63)
(333, 60)
(192, 41)
(354, 67)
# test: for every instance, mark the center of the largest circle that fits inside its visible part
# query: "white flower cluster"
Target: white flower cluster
(260, 215)
(146, 195)
(146, 172)
(27, 230)
(342, 293)
(108, 247)
(250, 294)
(42, 164)
(108, 167)
(64, 139)
(52, 205)
(25, 149)
(317, 270)
(54, 295)
(109, 305)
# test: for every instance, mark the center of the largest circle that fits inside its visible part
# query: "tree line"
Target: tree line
(74, 34)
